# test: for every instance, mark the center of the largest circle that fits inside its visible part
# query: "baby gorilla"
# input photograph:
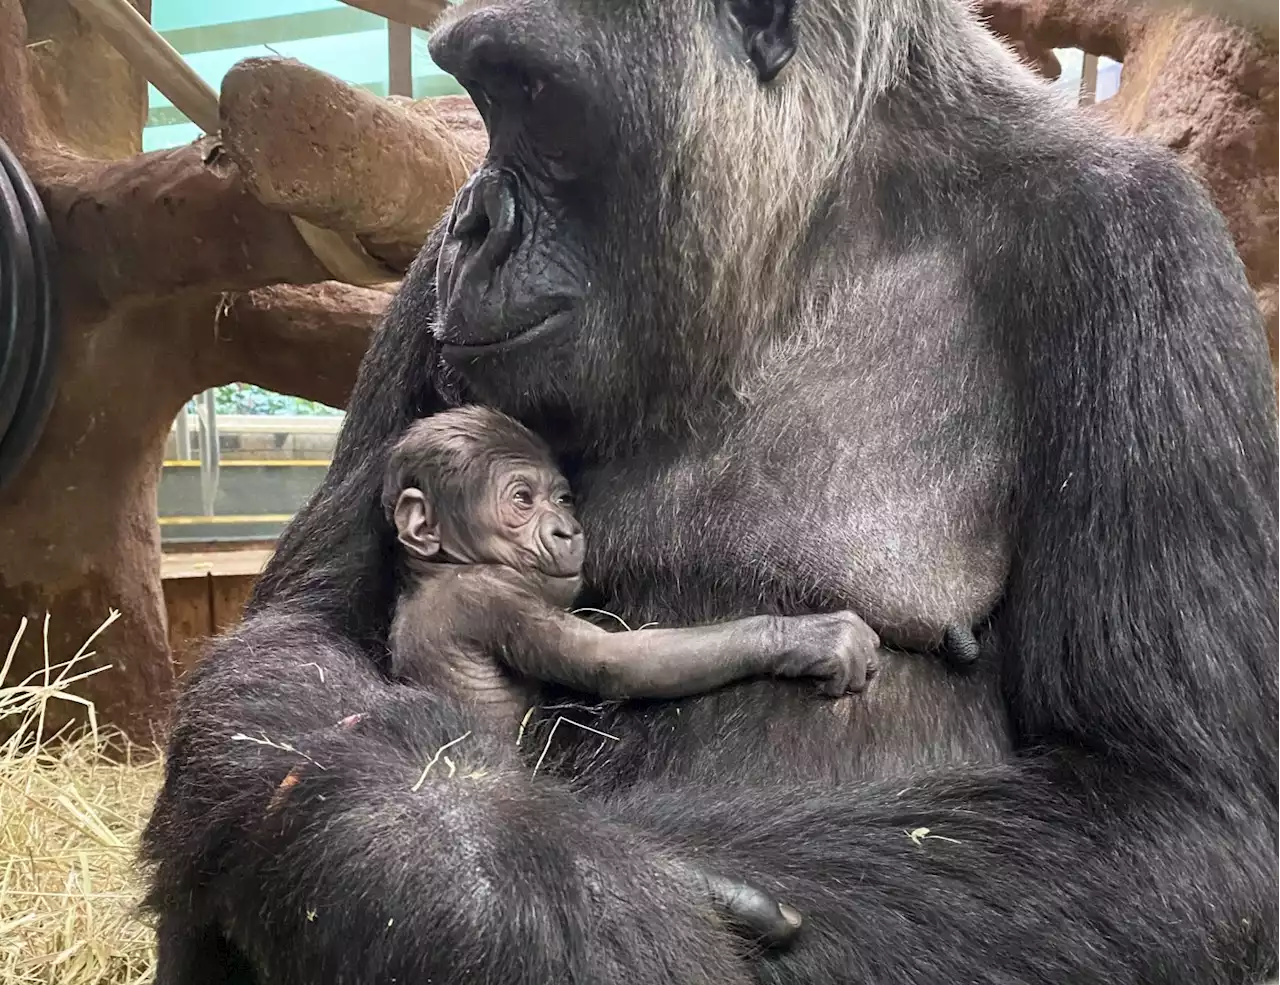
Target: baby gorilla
(492, 557)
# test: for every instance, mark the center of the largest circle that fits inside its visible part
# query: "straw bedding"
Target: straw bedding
(71, 809)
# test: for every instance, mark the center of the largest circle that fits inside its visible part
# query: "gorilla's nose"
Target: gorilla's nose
(563, 537)
(485, 219)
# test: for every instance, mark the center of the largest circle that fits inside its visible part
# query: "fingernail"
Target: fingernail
(790, 914)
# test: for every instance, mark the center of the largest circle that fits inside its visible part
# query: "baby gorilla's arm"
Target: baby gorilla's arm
(837, 648)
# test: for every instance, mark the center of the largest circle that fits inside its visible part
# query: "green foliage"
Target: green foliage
(245, 398)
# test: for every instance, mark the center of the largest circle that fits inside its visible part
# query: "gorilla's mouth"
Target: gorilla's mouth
(535, 331)
(562, 574)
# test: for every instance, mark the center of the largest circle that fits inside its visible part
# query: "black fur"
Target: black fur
(1045, 345)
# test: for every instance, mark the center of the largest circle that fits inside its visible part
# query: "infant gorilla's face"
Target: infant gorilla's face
(523, 518)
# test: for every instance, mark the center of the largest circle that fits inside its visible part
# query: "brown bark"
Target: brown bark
(167, 261)
(1202, 87)
(310, 145)
(139, 227)
(294, 141)
(68, 60)
(1100, 27)
(258, 338)
(78, 531)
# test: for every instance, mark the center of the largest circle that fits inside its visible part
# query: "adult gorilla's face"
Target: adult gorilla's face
(548, 276)
(522, 249)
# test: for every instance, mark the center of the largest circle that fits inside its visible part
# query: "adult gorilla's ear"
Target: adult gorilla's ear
(766, 31)
(416, 524)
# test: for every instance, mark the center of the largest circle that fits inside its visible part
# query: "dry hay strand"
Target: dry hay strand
(72, 805)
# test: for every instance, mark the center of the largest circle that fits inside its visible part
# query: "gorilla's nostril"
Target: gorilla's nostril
(470, 219)
(565, 539)
(500, 208)
(485, 215)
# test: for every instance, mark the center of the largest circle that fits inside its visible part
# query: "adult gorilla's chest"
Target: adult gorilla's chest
(891, 506)
(816, 500)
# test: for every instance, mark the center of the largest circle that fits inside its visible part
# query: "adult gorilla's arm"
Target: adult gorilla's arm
(315, 845)
(1133, 838)
(1031, 872)
(336, 860)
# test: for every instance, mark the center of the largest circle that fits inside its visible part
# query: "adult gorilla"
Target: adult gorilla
(832, 305)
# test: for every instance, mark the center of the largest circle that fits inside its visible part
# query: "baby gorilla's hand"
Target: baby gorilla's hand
(837, 647)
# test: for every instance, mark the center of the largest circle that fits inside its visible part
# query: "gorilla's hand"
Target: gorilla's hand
(751, 912)
(837, 647)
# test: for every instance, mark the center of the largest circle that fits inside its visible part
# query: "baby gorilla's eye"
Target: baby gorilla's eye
(564, 499)
(523, 497)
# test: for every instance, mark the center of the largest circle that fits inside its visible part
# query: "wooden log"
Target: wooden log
(308, 144)
(415, 13)
(162, 66)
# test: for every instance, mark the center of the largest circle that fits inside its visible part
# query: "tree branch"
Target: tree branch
(165, 222)
(1100, 27)
(302, 341)
(188, 218)
(345, 159)
(143, 47)
(415, 13)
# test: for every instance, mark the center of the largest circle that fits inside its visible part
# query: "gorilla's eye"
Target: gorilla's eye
(521, 496)
(564, 499)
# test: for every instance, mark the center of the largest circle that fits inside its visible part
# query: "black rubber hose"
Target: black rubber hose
(30, 317)
(17, 277)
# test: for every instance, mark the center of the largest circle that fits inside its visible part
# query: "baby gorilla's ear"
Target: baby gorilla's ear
(416, 524)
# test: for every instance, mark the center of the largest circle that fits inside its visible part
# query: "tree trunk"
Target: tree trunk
(166, 261)
(79, 536)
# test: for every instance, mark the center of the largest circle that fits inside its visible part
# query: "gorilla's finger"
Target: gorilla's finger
(753, 912)
(960, 646)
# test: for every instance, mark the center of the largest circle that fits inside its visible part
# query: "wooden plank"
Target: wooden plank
(189, 609)
(128, 32)
(204, 594)
(399, 59)
(229, 594)
(415, 13)
(202, 564)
